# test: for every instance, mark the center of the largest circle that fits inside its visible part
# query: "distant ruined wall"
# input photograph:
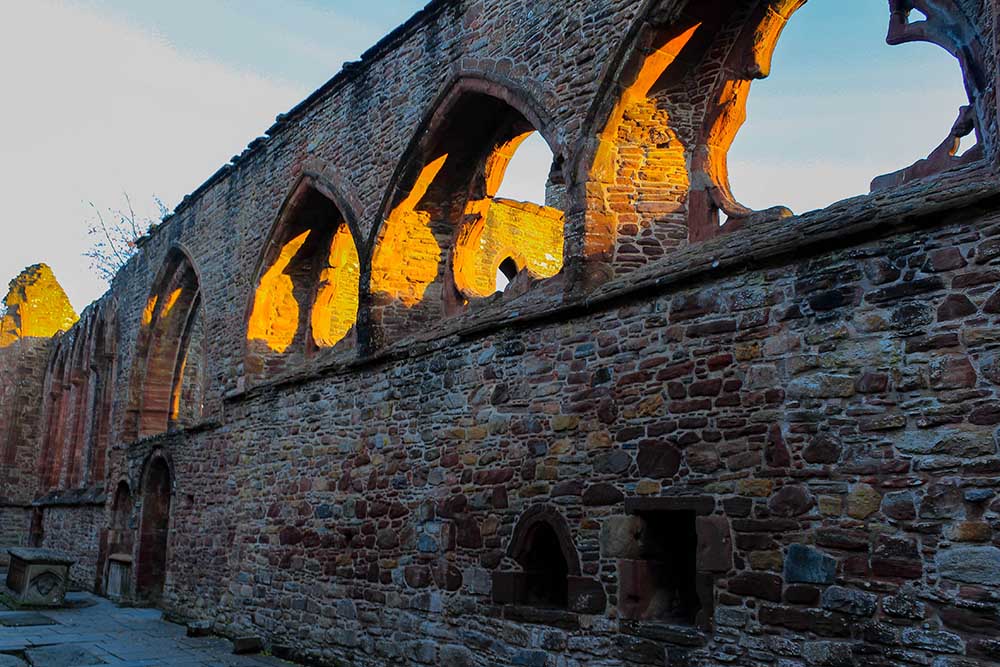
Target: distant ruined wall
(36, 309)
(714, 436)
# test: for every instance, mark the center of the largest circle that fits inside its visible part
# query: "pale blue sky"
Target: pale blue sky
(152, 97)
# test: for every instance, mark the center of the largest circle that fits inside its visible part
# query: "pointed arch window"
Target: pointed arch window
(167, 389)
(306, 298)
(456, 213)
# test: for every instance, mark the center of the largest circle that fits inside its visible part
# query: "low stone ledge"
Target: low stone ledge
(72, 498)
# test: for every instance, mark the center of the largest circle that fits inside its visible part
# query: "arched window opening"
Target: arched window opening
(870, 108)
(55, 414)
(151, 572)
(307, 296)
(545, 569)
(660, 173)
(506, 273)
(449, 206)
(519, 214)
(546, 573)
(168, 373)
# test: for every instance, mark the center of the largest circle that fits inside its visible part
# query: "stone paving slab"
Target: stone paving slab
(23, 619)
(62, 656)
(96, 632)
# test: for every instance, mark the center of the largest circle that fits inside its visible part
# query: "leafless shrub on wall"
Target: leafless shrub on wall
(115, 236)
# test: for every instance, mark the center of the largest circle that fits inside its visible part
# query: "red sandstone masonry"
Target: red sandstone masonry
(820, 393)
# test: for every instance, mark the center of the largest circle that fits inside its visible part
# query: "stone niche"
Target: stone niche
(38, 577)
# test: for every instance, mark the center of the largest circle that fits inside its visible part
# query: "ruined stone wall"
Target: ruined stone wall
(837, 414)
(817, 395)
(14, 527)
(75, 530)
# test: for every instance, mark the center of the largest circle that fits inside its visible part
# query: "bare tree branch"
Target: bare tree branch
(115, 237)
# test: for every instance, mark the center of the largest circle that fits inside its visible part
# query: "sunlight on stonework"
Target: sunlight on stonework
(336, 306)
(407, 257)
(275, 316)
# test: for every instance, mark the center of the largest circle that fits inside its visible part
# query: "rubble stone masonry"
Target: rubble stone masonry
(714, 436)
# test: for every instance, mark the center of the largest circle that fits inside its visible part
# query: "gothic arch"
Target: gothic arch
(441, 206)
(103, 356)
(156, 492)
(307, 279)
(54, 410)
(544, 515)
(168, 370)
(713, 50)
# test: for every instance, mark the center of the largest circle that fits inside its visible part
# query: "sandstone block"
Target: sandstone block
(804, 564)
(971, 565)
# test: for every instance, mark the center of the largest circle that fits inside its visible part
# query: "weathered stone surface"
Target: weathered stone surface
(903, 605)
(247, 644)
(758, 585)
(952, 373)
(791, 500)
(938, 641)
(971, 565)
(621, 537)
(658, 460)
(956, 306)
(62, 656)
(806, 565)
(899, 506)
(602, 495)
(822, 448)
(376, 458)
(863, 501)
(829, 654)
(822, 385)
(849, 601)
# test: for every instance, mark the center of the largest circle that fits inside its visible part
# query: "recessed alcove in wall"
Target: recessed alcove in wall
(447, 228)
(167, 386)
(154, 529)
(842, 106)
(306, 298)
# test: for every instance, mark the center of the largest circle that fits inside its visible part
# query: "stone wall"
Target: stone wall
(836, 415)
(75, 530)
(772, 441)
(14, 526)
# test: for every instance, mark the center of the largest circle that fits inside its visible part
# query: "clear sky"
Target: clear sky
(147, 97)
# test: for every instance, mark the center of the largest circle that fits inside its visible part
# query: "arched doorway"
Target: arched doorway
(154, 530)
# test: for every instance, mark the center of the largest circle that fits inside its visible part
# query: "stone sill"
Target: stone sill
(557, 618)
(919, 204)
(171, 435)
(669, 633)
(92, 497)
